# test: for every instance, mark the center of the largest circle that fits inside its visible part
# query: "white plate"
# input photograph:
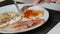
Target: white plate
(13, 8)
(2, 0)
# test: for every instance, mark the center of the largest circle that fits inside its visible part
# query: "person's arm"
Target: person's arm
(58, 1)
(37, 1)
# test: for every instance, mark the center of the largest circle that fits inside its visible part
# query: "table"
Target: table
(54, 18)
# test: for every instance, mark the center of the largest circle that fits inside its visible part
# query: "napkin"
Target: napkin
(55, 30)
(52, 6)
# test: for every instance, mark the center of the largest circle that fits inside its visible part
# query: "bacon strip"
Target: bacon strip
(27, 24)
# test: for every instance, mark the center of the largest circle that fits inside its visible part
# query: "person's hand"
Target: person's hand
(37, 1)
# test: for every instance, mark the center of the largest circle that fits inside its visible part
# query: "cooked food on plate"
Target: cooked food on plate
(6, 17)
(30, 18)
(32, 14)
(26, 24)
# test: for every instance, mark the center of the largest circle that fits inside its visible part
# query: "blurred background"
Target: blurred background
(52, 6)
(26, 1)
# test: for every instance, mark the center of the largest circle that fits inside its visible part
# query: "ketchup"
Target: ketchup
(29, 13)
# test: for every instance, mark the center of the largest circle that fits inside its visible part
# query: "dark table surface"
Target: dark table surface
(54, 18)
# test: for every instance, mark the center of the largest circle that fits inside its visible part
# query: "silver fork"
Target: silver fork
(20, 11)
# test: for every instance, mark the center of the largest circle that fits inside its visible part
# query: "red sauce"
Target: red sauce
(27, 13)
(34, 13)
